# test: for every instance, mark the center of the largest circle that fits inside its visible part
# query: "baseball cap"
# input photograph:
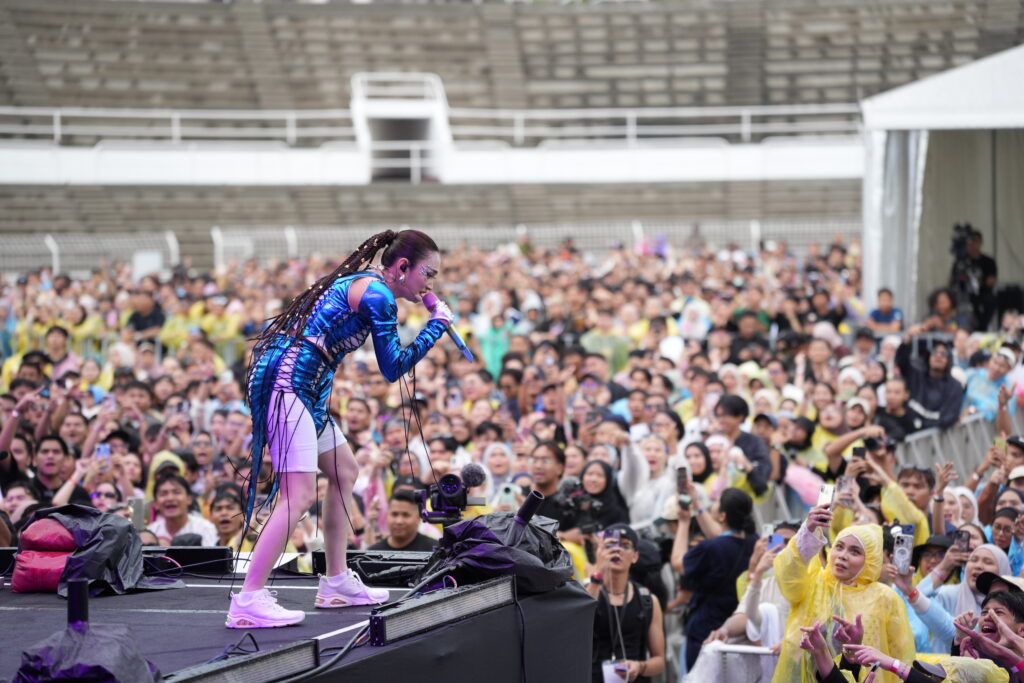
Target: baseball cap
(1017, 472)
(1016, 440)
(771, 419)
(1014, 584)
(861, 403)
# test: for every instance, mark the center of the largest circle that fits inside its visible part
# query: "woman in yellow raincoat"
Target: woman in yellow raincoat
(847, 586)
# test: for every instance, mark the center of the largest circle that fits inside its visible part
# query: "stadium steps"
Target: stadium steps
(261, 54)
(21, 84)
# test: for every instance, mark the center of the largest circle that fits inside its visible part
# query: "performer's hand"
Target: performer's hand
(442, 312)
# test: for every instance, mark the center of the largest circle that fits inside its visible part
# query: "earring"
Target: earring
(401, 278)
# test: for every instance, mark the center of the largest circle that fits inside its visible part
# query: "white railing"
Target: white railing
(78, 253)
(391, 85)
(176, 126)
(505, 126)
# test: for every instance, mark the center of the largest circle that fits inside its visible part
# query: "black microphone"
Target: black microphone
(529, 508)
(430, 300)
(472, 475)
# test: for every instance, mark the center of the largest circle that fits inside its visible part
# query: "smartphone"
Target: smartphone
(962, 540)
(102, 453)
(903, 548)
(45, 393)
(454, 399)
(682, 479)
(844, 484)
(183, 407)
(826, 494)
(859, 452)
(767, 530)
(997, 441)
(775, 541)
(612, 538)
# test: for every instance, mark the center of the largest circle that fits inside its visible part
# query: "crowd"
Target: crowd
(656, 396)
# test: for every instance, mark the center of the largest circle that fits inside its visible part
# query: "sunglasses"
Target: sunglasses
(104, 494)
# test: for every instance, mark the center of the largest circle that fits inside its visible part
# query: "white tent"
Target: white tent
(945, 149)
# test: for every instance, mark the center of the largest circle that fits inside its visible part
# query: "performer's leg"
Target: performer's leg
(341, 587)
(341, 469)
(296, 495)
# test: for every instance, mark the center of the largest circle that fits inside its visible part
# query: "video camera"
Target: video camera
(572, 498)
(448, 497)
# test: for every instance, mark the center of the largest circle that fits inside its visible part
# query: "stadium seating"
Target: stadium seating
(190, 211)
(291, 55)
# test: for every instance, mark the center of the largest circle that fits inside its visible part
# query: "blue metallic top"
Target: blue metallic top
(305, 364)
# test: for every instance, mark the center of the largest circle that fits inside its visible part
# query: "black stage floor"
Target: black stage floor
(181, 628)
(177, 628)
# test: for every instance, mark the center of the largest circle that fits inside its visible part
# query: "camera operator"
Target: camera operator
(629, 634)
(596, 504)
(975, 275)
(547, 464)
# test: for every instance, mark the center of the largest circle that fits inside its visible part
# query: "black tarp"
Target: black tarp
(105, 653)
(108, 554)
(496, 545)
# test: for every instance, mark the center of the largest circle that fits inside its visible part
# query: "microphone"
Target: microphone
(529, 508)
(472, 475)
(430, 301)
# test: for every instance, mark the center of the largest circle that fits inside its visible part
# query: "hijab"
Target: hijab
(709, 469)
(613, 507)
(964, 492)
(970, 601)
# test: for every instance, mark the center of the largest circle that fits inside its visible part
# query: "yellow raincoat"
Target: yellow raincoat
(815, 595)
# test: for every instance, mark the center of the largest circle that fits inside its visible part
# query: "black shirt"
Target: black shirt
(899, 428)
(419, 543)
(556, 511)
(139, 321)
(45, 496)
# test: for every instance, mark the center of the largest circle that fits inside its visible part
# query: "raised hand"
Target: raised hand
(849, 633)
(965, 623)
(945, 474)
(819, 517)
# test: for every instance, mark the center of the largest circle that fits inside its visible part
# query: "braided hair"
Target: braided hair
(411, 244)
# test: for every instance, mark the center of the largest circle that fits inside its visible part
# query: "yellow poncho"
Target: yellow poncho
(815, 595)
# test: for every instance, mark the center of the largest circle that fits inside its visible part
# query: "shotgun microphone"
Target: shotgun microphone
(430, 301)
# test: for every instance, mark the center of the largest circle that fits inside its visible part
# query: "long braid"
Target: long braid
(293, 319)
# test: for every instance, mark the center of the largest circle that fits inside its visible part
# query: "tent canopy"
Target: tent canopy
(984, 94)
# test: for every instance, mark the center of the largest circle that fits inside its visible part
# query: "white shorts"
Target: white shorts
(291, 435)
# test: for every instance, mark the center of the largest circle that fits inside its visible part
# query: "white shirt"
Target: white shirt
(196, 524)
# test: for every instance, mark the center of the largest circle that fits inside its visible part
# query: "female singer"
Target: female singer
(289, 384)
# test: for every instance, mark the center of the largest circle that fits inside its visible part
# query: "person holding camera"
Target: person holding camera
(629, 634)
(710, 568)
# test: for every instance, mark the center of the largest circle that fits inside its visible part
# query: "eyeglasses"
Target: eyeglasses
(202, 443)
(653, 406)
(104, 494)
(541, 461)
(662, 423)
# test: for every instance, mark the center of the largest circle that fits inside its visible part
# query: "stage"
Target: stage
(181, 628)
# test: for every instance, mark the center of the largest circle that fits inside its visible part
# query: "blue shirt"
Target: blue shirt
(894, 315)
(983, 393)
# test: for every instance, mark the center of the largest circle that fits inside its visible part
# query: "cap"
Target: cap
(1017, 441)
(1009, 355)
(934, 541)
(670, 513)
(771, 419)
(1016, 473)
(858, 401)
(984, 582)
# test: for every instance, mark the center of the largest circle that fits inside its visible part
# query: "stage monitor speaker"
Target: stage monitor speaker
(432, 610)
(379, 567)
(271, 665)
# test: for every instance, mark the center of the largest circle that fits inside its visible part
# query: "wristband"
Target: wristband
(896, 667)
(913, 595)
(937, 499)
(1018, 667)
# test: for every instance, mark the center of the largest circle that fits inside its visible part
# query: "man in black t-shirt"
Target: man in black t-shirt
(147, 317)
(977, 275)
(898, 419)
(50, 458)
(403, 525)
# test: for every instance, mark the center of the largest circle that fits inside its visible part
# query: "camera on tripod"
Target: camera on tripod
(449, 496)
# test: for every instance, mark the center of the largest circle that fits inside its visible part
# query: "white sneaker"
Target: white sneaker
(259, 609)
(347, 589)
